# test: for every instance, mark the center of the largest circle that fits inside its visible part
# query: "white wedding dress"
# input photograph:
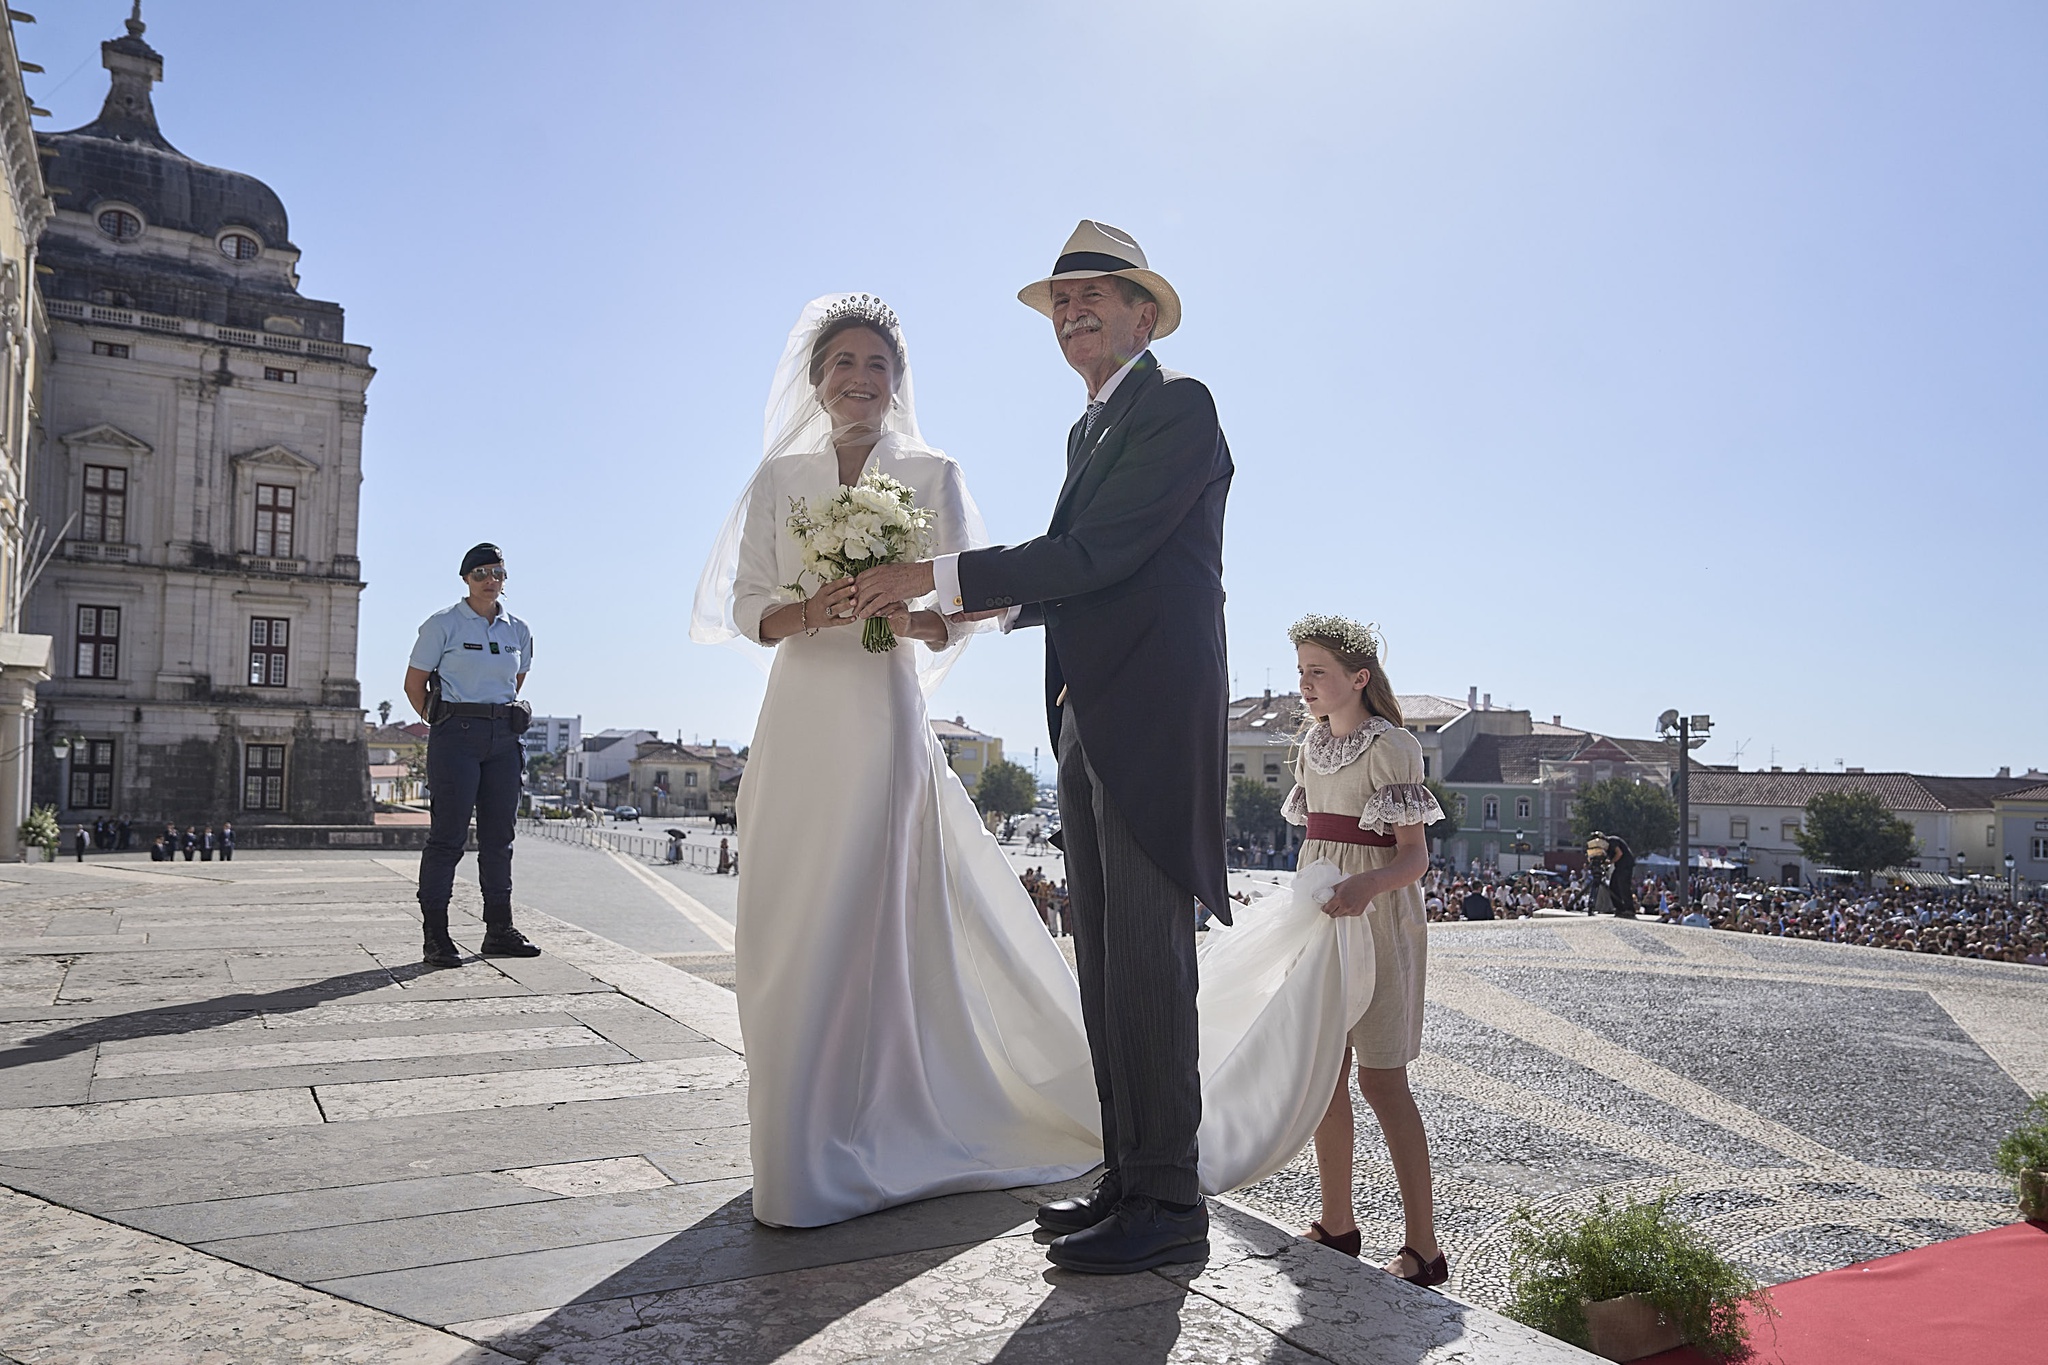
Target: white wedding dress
(911, 1029)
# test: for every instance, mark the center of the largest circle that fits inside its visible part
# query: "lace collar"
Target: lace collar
(1326, 753)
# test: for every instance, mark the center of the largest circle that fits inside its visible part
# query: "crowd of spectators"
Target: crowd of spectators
(1992, 928)
(1048, 897)
(1971, 924)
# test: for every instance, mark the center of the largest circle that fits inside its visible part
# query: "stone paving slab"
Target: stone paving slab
(549, 1154)
(324, 1077)
(77, 1290)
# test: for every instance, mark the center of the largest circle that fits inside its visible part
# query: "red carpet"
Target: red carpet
(1978, 1300)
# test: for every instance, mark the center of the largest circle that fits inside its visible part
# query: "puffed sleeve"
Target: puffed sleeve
(1294, 810)
(755, 591)
(1399, 796)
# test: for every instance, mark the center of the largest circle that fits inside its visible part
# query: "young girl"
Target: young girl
(1359, 790)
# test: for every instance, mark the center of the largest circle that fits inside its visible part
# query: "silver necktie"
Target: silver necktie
(1088, 423)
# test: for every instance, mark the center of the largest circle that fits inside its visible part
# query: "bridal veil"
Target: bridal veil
(797, 423)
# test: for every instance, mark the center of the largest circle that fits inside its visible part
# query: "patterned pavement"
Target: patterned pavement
(1811, 1104)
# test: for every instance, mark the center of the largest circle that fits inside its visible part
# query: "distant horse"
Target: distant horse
(725, 819)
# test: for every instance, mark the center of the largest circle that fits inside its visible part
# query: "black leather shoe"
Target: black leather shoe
(508, 942)
(1078, 1215)
(440, 951)
(1141, 1234)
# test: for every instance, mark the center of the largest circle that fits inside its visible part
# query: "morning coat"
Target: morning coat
(1128, 583)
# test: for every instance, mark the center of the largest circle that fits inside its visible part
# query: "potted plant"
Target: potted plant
(2023, 1159)
(1629, 1282)
(40, 831)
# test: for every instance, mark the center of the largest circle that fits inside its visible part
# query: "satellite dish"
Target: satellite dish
(1668, 721)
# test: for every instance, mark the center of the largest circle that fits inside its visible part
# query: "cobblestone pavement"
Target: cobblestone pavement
(1813, 1104)
(240, 1123)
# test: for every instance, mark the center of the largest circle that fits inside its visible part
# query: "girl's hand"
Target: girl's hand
(830, 605)
(1352, 896)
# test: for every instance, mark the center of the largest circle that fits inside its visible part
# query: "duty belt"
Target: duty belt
(482, 710)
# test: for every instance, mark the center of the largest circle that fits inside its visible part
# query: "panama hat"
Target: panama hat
(1097, 249)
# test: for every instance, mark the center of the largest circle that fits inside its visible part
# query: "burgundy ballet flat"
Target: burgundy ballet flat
(1348, 1243)
(1432, 1274)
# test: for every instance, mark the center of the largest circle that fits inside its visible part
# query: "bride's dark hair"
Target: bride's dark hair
(846, 322)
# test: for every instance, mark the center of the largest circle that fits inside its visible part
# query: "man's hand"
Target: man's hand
(890, 583)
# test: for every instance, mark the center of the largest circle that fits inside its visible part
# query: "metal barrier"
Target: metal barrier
(653, 848)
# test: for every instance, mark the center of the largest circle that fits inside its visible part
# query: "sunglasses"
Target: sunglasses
(496, 571)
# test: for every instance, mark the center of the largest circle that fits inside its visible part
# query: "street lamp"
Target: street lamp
(1688, 733)
(2012, 886)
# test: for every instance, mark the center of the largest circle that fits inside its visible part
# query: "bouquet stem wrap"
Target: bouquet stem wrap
(876, 521)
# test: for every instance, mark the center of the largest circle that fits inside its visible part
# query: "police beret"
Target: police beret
(480, 555)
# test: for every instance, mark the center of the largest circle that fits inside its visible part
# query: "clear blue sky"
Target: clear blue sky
(1613, 356)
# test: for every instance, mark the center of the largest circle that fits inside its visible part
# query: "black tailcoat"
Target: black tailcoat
(1128, 583)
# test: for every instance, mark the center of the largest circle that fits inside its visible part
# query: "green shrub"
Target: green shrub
(2026, 1147)
(1562, 1262)
(40, 829)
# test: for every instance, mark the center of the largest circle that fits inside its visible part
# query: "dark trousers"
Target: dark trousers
(1134, 947)
(227, 853)
(473, 766)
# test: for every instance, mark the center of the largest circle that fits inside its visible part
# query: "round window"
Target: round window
(120, 224)
(240, 246)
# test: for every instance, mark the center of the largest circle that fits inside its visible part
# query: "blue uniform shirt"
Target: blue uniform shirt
(479, 660)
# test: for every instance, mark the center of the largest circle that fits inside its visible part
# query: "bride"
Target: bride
(910, 1028)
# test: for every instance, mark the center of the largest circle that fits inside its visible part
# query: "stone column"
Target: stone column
(24, 662)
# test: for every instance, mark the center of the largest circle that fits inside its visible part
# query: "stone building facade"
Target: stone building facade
(200, 445)
(24, 335)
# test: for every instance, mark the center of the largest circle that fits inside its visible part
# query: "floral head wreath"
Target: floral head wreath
(1349, 636)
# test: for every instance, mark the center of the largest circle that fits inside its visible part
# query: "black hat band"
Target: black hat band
(1092, 260)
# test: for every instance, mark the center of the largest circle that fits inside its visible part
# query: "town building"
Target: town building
(1754, 818)
(25, 658)
(398, 762)
(2021, 817)
(200, 456)
(1514, 792)
(552, 735)
(969, 752)
(667, 779)
(597, 770)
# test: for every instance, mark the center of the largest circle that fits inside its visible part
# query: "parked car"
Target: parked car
(621, 814)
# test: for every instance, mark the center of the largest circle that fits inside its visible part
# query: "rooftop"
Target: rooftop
(1898, 791)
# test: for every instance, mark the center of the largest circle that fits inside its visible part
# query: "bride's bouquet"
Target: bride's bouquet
(873, 522)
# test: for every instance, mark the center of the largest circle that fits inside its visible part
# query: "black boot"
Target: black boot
(502, 940)
(439, 950)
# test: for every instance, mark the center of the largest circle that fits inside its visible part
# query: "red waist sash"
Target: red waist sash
(1343, 829)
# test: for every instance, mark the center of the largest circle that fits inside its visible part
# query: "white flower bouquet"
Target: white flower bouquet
(873, 522)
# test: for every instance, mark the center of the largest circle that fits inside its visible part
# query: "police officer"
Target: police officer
(481, 653)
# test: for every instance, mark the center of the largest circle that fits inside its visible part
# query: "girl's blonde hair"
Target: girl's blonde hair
(1357, 648)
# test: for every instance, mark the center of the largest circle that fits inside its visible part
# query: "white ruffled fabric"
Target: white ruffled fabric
(1294, 810)
(1327, 752)
(1398, 803)
(1278, 994)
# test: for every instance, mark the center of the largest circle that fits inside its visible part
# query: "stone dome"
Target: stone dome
(123, 156)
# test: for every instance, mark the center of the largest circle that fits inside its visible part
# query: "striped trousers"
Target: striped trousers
(1134, 950)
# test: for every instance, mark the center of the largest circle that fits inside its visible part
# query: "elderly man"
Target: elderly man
(1128, 583)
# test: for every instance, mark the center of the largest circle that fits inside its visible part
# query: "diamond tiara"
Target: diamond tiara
(1350, 636)
(866, 307)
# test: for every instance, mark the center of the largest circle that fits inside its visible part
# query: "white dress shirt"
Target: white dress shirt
(946, 568)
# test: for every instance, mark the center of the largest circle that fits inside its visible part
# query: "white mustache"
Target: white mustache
(1083, 323)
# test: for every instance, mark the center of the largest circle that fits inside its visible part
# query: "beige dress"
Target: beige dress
(1374, 775)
